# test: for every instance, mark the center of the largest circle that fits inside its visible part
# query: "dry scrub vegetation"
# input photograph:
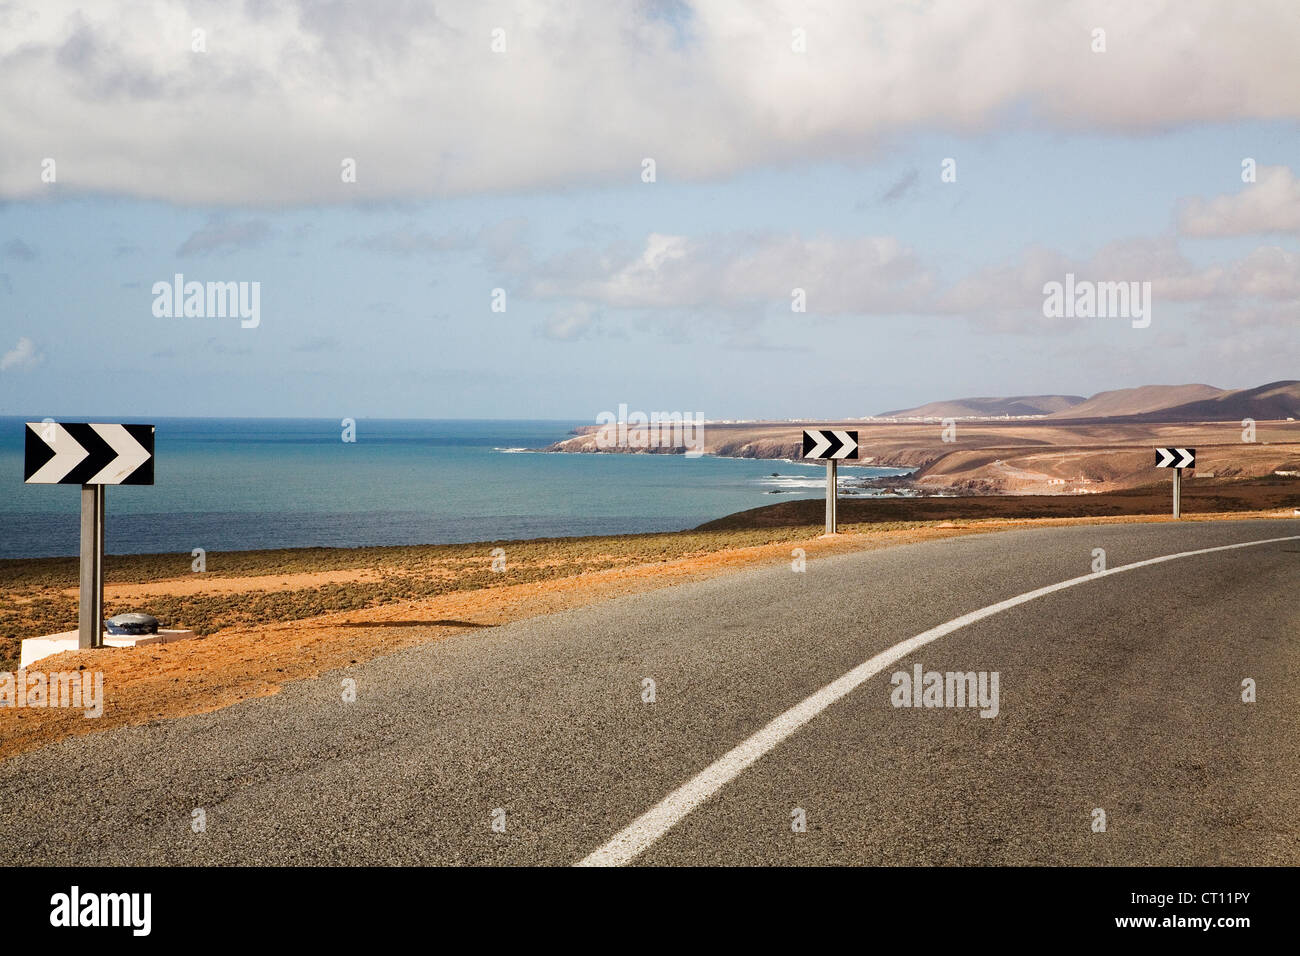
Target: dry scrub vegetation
(38, 596)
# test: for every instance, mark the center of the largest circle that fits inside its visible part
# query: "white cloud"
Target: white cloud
(1270, 204)
(586, 89)
(22, 355)
(742, 271)
(750, 276)
(1267, 273)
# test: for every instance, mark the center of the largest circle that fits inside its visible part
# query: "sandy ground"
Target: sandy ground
(215, 584)
(163, 681)
(1012, 456)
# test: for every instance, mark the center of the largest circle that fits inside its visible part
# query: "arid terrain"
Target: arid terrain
(1016, 457)
(1036, 444)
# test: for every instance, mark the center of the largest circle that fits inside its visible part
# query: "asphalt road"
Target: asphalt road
(1121, 693)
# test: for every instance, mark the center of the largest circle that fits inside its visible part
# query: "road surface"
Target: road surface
(1119, 692)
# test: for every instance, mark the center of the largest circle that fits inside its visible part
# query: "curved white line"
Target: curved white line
(637, 836)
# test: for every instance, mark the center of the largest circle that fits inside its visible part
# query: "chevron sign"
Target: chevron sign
(1175, 457)
(824, 443)
(75, 453)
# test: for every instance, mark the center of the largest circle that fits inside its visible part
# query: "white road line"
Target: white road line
(637, 836)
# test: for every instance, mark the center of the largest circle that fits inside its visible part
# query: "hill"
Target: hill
(1124, 402)
(1017, 405)
(1273, 402)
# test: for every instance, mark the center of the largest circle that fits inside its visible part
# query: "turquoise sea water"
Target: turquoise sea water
(228, 484)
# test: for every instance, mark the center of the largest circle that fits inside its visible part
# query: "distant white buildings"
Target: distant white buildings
(931, 419)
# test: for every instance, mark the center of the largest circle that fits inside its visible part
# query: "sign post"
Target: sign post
(1177, 459)
(90, 620)
(832, 493)
(830, 446)
(93, 456)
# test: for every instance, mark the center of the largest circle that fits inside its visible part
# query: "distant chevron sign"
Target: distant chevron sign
(75, 453)
(822, 443)
(1175, 457)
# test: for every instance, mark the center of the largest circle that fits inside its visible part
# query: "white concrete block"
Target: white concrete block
(35, 648)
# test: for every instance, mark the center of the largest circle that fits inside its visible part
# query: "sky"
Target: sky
(546, 210)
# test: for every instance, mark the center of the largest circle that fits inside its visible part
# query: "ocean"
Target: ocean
(239, 484)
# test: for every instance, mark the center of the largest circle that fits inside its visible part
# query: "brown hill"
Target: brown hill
(1273, 402)
(1125, 402)
(989, 407)
(1147, 403)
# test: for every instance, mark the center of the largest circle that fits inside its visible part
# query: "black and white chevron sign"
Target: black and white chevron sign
(821, 443)
(75, 453)
(1175, 457)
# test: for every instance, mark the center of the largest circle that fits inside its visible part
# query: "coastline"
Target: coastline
(1002, 456)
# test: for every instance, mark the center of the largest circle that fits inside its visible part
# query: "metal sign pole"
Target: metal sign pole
(101, 522)
(832, 493)
(91, 616)
(1178, 491)
(835, 496)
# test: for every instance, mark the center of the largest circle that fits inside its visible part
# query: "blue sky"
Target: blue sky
(672, 294)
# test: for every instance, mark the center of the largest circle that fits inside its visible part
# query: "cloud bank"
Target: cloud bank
(260, 103)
